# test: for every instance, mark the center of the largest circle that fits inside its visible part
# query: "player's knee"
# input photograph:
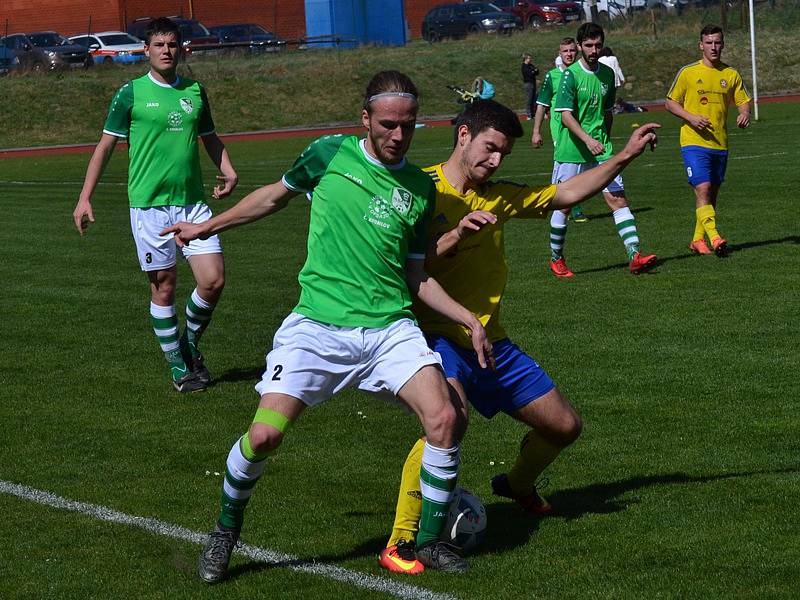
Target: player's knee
(445, 426)
(264, 438)
(567, 428)
(213, 285)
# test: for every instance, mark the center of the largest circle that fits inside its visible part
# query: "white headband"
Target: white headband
(390, 95)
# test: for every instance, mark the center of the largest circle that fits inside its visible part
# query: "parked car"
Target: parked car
(612, 9)
(46, 51)
(194, 35)
(8, 61)
(668, 6)
(111, 46)
(253, 37)
(538, 13)
(456, 20)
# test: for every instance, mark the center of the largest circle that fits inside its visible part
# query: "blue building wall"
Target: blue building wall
(355, 22)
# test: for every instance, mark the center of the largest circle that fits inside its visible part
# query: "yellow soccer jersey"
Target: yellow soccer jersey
(475, 272)
(708, 91)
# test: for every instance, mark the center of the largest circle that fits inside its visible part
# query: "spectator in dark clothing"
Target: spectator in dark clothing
(529, 73)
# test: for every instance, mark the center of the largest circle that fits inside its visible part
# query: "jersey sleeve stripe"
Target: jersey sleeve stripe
(675, 81)
(202, 133)
(415, 256)
(115, 133)
(292, 187)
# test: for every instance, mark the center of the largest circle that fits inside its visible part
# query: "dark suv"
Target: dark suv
(457, 20)
(46, 51)
(194, 34)
(538, 13)
(253, 37)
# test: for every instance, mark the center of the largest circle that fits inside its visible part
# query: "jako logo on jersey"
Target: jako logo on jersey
(401, 200)
(186, 105)
(152, 105)
(354, 178)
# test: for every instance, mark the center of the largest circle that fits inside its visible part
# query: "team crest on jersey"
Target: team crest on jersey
(174, 118)
(401, 200)
(723, 83)
(604, 87)
(186, 105)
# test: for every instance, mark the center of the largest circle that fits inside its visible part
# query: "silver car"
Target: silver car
(47, 51)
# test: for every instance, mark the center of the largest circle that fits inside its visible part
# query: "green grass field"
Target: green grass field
(685, 482)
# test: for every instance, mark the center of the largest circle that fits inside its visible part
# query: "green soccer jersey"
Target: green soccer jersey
(547, 97)
(589, 95)
(367, 219)
(162, 123)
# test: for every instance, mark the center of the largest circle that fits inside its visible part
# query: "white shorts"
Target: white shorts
(159, 252)
(312, 361)
(565, 171)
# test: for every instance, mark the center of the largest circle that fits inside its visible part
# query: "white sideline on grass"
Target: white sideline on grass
(270, 557)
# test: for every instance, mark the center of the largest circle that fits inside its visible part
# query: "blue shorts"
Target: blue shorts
(704, 165)
(517, 381)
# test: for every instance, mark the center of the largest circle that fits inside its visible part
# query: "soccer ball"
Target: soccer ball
(466, 521)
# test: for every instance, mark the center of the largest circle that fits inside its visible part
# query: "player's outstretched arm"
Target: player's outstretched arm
(467, 226)
(260, 203)
(699, 122)
(587, 184)
(83, 215)
(428, 290)
(218, 154)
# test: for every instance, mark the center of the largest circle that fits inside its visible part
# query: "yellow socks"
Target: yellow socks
(535, 454)
(409, 498)
(699, 231)
(707, 217)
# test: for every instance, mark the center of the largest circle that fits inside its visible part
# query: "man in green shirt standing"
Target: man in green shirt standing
(353, 325)
(162, 114)
(585, 100)
(545, 101)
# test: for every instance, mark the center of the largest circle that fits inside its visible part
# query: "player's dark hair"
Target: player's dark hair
(567, 41)
(161, 25)
(711, 30)
(606, 51)
(481, 115)
(590, 31)
(388, 82)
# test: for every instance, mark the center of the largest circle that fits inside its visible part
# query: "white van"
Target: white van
(611, 9)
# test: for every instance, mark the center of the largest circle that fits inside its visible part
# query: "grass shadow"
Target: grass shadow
(734, 248)
(510, 528)
(234, 375)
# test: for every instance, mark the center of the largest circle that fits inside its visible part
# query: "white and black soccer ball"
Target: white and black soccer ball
(466, 521)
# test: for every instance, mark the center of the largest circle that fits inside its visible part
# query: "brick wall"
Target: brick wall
(416, 11)
(70, 17)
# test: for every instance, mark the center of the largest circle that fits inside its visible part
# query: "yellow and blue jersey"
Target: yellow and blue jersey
(475, 272)
(708, 91)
